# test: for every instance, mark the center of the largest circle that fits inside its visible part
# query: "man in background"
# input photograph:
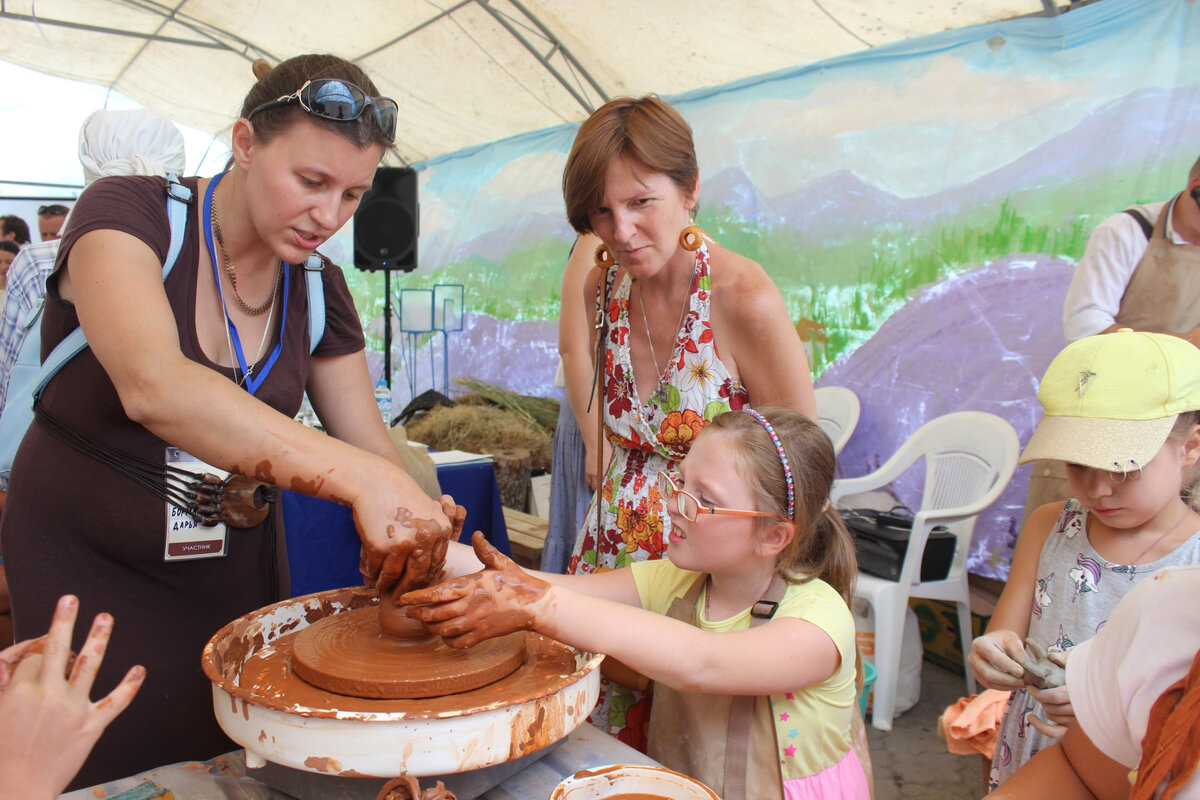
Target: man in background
(1141, 270)
(14, 229)
(110, 143)
(50, 221)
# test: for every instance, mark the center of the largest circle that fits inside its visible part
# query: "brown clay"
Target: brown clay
(269, 677)
(388, 654)
(349, 655)
(406, 787)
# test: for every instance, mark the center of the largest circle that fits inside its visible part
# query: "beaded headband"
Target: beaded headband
(787, 470)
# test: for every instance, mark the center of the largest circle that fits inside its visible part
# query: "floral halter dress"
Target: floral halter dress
(648, 437)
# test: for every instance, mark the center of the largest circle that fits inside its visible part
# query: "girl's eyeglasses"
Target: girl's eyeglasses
(340, 101)
(690, 508)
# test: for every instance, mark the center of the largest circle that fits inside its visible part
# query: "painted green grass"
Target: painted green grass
(849, 289)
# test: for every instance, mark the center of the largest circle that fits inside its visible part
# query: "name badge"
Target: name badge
(186, 538)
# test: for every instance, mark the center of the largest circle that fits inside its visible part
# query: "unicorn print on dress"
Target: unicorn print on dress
(1086, 575)
(1041, 595)
(1072, 522)
(1062, 644)
(1128, 569)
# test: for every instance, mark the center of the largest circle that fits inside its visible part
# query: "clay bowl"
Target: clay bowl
(542, 702)
(621, 780)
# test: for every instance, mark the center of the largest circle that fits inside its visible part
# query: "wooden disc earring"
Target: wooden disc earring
(691, 238)
(604, 257)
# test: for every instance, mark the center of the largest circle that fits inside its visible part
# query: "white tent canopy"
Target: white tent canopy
(465, 72)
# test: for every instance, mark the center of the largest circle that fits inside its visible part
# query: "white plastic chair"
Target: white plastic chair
(969, 458)
(837, 414)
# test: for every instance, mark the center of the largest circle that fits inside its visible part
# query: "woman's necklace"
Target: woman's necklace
(662, 391)
(253, 311)
(1187, 512)
(262, 346)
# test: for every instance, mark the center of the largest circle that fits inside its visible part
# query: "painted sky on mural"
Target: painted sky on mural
(978, 98)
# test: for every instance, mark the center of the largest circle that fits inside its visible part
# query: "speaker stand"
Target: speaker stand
(387, 327)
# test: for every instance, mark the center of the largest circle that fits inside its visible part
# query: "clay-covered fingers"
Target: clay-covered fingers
(56, 644)
(11, 656)
(996, 659)
(488, 555)
(457, 515)
(83, 673)
(426, 599)
(1056, 704)
(111, 705)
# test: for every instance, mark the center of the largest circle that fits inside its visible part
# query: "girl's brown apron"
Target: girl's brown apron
(742, 764)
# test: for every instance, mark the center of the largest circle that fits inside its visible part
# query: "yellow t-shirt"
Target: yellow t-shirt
(812, 725)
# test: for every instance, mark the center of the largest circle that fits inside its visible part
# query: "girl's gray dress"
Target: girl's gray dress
(1076, 591)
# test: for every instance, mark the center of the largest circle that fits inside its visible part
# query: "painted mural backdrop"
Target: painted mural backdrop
(921, 206)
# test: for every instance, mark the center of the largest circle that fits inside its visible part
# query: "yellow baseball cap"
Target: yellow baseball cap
(1111, 400)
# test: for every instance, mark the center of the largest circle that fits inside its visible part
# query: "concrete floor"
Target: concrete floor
(911, 762)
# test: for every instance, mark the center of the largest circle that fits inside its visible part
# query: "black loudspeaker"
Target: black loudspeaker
(387, 222)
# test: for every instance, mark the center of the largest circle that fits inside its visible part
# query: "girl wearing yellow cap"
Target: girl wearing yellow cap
(1121, 410)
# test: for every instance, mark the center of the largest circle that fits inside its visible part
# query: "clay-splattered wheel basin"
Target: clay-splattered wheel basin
(348, 654)
(265, 707)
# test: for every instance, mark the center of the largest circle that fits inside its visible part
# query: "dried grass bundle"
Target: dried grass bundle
(481, 429)
(540, 411)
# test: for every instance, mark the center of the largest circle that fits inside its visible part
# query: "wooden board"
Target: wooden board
(526, 537)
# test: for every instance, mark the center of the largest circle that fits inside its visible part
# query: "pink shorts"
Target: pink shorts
(845, 780)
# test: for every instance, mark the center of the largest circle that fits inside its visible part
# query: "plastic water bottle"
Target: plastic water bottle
(383, 396)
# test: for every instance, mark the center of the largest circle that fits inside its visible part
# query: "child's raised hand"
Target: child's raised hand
(996, 659)
(48, 723)
(499, 599)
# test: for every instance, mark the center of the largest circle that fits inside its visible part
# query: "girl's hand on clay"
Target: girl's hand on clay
(48, 724)
(1056, 702)
(416, 560)
(996, 658)
(499, 599)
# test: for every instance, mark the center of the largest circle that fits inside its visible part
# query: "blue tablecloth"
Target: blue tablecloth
(323, 546)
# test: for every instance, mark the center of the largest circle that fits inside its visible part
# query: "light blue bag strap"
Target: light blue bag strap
(316, 300)
(178, 199)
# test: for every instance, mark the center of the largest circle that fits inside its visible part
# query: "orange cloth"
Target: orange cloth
(1171, 746)
(970, 725)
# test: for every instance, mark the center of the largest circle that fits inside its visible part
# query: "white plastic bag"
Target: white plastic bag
(908, 682)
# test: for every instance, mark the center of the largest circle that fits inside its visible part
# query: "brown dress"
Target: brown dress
(73, 525)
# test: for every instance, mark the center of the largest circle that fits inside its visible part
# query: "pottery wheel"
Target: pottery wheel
(348, 654)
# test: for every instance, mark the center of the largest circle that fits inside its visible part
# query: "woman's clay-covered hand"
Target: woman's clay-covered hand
(415, 559)
(386, 514)
(501, 598)
(996, 658)
(48, 723)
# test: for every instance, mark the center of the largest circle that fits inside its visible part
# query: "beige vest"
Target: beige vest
(1164, 292)
(679, 722)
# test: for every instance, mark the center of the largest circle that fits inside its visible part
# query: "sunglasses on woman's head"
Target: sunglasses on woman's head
(52, 211)
(340, 101)
(690, 508)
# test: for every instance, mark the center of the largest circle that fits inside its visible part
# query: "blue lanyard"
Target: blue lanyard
(252, 382)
